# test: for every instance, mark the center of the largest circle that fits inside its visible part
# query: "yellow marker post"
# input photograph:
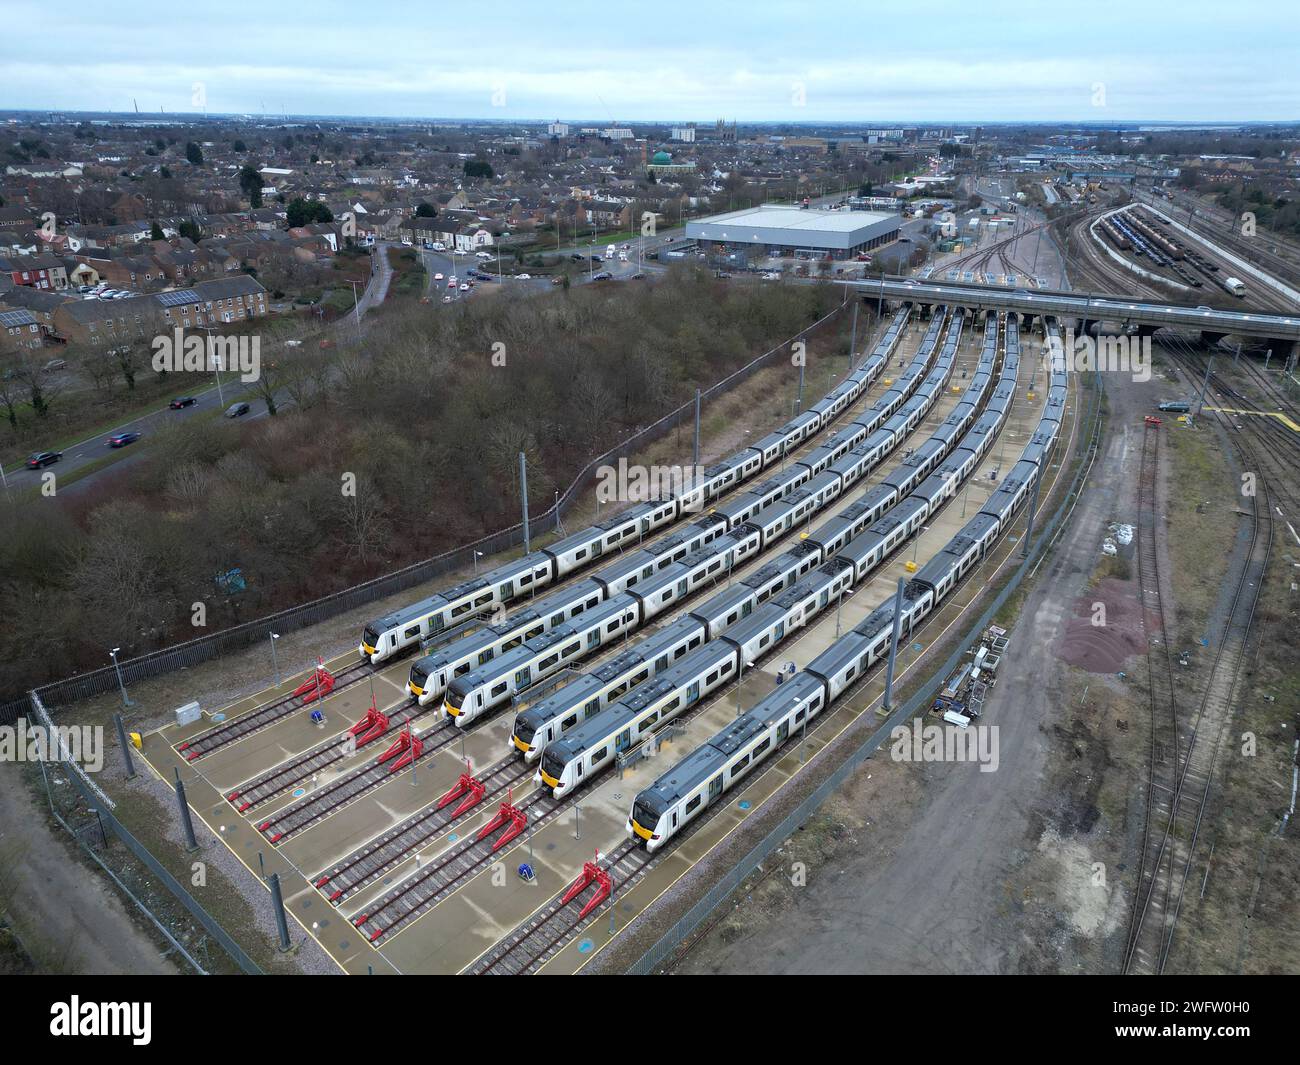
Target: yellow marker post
(136, 741)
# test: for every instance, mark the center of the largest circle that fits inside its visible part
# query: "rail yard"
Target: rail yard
(802, 544)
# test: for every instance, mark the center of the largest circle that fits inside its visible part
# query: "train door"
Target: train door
(623, 741)
(692, 693)
(782, 731)
(715, 787)
(523, 678)
(508, 590)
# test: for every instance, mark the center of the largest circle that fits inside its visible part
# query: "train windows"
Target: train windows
(591, 709)
(573, 647)
(611, 626)
(762, 747)
(525, 580)
(434, 621)
(711, 677)
(735, 769)
(568, 722)
(690, 806)
(531, 633)
(799, 716)
(461, 670)
(641, 676)
(646, 723)
(411, 633)
(483, 600)
(457, 611)
(661, 663)
(557, 618)
(499, 689)
(593, 601)
(579, 555)
(547, 662)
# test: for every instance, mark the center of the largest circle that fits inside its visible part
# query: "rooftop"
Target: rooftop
(786, 217)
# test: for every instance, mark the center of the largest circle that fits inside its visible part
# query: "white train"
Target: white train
(700, 779)
(552, 716)
(598, 740)
(400, 630)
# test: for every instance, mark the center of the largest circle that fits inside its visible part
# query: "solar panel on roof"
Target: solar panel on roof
(178, 298)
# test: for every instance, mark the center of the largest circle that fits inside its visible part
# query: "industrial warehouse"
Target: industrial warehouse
(781, 231)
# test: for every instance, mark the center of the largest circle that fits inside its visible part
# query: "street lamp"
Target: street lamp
(126, 699)
(917, 539)
(477, 556)
(275, 664)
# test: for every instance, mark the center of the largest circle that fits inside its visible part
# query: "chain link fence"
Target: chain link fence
(87, 814)
(664, 947)
(235, 638)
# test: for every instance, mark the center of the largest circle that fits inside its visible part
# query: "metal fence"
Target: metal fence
(214, 645)
(917, 704)
(102, 808)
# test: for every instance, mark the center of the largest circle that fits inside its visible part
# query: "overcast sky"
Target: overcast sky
(820, 60)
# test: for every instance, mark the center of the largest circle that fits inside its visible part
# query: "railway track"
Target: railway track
(287, 775)
(423, 889)
(313, 808)
(389, 849)
(538, 938)
(228, 732)
(1174, 825)
(1162, 764)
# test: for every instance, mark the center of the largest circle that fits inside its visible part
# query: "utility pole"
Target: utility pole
(523, 498)
(1205, 387)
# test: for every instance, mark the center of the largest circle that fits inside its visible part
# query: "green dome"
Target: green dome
(661, 159)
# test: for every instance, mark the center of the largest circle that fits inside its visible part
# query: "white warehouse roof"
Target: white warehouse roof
(793, 226)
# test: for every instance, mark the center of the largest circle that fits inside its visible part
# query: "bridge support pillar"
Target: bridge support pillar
(1211, 338)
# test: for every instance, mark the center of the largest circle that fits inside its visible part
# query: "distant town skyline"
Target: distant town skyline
(1108, 62)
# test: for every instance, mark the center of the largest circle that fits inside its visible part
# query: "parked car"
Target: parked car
(438, 277)
(122, 439)
(237, 410)
(38, 459)
(604, 275)
(55, 364)
(638, 277)
(182, 401)
(446, 299)
(524, 277)
(464, 287)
